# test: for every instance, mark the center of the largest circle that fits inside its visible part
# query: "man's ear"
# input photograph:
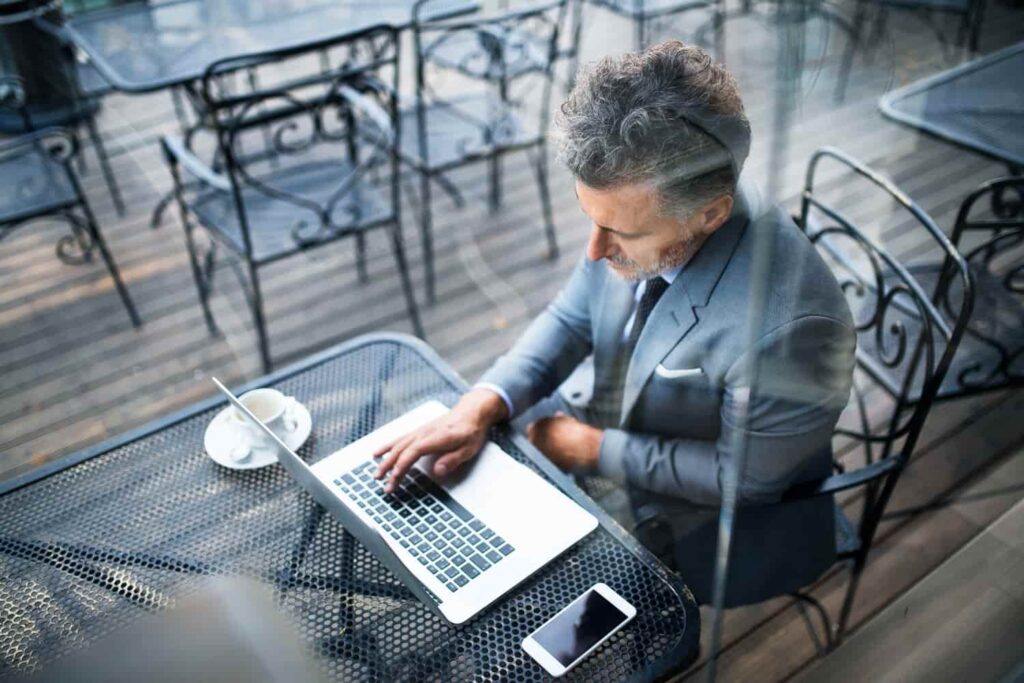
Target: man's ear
(715, 213)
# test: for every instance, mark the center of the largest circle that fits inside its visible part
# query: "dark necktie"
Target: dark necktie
(613, 393)
(655, 287)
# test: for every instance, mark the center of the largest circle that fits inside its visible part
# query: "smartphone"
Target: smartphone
(569, 636)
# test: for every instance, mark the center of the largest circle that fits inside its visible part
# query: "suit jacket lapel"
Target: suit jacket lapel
(677, 310)
(616, 305)
(669, 322)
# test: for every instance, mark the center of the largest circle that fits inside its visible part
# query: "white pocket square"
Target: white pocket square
(662, 371)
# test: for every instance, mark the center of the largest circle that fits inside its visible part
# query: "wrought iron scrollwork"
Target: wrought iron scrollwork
(500, 48)
(76, 248)
(893, 319)
(43, 179)
(997, 262)
(344, 103)
(906, 337)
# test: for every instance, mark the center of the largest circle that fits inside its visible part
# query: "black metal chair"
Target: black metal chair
(647, 13)
(989, 233)
(569, 35)
(511, 58)
(970, 12)
(905, 345)
(308, 156)
(68, 72)
(38, 182)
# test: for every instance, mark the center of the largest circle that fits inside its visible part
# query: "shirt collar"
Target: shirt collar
(671, 274)
(668, 276)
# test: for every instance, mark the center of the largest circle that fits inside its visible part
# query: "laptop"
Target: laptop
(457, 543)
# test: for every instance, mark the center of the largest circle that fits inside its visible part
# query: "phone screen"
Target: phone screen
(569, 635)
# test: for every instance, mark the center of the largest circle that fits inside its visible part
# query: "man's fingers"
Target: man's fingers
(447, 440)
(391, 455)
(401, 459)
(402, 466)
(453, 461)
(394, 458)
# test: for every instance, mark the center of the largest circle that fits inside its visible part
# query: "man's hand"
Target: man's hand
(455, 437)
(567, 442)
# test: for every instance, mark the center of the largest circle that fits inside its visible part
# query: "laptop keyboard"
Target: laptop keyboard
(433, 527)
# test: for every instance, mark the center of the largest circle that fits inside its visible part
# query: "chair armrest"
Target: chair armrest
(370, 108)
(59, 143)
(841, 482)
(176, 152)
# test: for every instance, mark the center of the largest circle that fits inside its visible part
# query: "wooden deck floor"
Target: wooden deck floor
(73, 371)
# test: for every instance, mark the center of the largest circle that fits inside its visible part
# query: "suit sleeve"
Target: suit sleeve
(550, 348)
(803, 378)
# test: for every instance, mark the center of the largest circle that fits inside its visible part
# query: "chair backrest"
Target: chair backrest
(905, 343)
(996, 209)
(334, 101)
(989, 232)
(503, 51)
(34, 164)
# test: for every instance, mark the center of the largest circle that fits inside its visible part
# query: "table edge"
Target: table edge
(72, 33)
(887, 104)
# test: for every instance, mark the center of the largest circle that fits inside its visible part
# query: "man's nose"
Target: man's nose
(597, 247)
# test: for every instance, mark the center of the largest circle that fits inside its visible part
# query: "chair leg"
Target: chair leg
(962, 36)
(361, 258)
(202, 274)
(977, 17)
(115, 274)
(853, 44)
(258, 320)
(179, 111)
(719, 39)
(880, 27)
(639, 38)
(574, 56)
(426, 234)
(545, 201)
(108, 173)
(494, 202)
(803, 601)
(851, 590)
(403, 273)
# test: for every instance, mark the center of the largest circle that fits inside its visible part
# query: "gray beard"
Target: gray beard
(677, 256)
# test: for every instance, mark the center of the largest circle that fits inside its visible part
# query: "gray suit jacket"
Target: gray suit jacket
(673, 439)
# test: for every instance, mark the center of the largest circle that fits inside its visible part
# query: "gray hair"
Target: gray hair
(625, 122)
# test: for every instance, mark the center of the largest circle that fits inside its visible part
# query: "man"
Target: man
(656, 142)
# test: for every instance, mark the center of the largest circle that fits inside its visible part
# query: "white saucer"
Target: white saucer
(222, 436)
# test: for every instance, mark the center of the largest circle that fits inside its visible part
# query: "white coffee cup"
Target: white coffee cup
(273, 409)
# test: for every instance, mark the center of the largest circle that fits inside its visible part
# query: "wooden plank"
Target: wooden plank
(905, 549)
(964, 621)
(67, 354)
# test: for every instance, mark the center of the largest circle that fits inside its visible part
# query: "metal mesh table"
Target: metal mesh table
(145, 46)
(978, 105)
(94, 542)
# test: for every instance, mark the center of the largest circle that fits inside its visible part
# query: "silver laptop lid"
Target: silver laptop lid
(303, 474)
